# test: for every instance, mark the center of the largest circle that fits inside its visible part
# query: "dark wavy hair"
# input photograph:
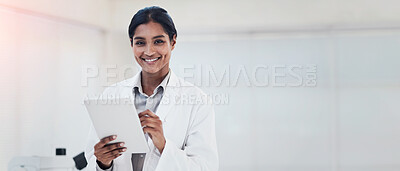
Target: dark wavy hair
(155, 14)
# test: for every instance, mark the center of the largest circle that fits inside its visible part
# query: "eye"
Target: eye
(139, 43)
(158, 41)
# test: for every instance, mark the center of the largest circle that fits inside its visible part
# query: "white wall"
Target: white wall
(43, 54)
(41, 62)
(227, 16)
(349, 121)
(90, 13)
(9, 124)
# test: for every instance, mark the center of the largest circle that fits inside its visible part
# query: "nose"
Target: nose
(149, 50)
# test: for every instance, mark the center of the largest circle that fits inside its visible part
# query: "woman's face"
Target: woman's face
(152, 48)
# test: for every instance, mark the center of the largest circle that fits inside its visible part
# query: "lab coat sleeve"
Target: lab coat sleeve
(200, 150)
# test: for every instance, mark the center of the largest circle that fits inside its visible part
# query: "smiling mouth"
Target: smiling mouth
(151, 59)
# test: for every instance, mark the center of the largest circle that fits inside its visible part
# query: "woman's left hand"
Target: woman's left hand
(152, 124)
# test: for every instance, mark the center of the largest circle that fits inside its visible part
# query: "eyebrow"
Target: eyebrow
(155, 37)
(159, 36)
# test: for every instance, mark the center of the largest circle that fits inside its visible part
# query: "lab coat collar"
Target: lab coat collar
(167, 101)
(134, 81)
(137, 83)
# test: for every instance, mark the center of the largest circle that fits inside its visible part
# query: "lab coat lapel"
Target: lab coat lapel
(168, 100)
(126, 90)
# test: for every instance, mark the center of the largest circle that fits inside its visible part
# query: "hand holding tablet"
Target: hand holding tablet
(106, 153)
(118, 118)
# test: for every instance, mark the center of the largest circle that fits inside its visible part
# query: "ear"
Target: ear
(130, 39)
(173, 42)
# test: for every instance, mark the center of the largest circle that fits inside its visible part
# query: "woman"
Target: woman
(181, 133)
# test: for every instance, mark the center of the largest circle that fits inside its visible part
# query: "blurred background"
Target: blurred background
(309, 85)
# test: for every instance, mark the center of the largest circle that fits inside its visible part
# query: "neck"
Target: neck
(151, 80)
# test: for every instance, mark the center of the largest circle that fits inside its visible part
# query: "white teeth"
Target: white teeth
(151, 60)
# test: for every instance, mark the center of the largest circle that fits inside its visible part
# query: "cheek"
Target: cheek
(137, 51)
(163, 50)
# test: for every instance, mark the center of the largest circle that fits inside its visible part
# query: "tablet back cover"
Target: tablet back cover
(118, 118)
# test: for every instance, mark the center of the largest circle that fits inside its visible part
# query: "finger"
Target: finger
(151, 123)
(149, 113)
(110, 156)
(149, 130)
(105, 140)
(144, 118)
(148, 118)
(114, 152)
(110, 147)
(144, 113)
(114, 157)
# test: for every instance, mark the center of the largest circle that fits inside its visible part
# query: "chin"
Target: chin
(151, 70)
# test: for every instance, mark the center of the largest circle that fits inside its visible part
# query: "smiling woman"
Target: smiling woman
(187, 141)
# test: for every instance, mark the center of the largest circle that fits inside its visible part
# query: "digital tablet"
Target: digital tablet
(118, 118)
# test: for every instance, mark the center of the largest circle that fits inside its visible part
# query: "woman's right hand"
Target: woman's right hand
(106, 153)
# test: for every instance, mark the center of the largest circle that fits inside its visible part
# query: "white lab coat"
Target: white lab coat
(188, 124)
